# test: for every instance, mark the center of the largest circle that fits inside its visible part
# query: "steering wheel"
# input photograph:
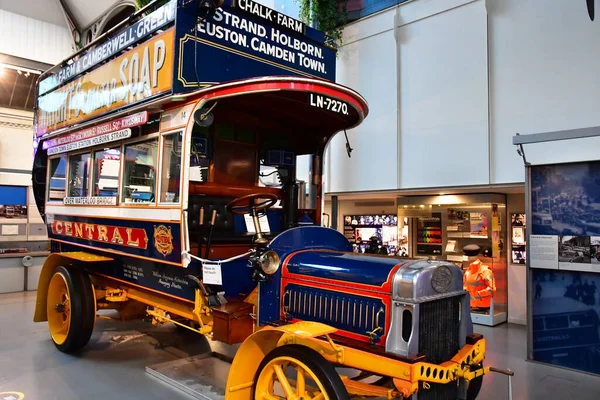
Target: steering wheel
(248, 205)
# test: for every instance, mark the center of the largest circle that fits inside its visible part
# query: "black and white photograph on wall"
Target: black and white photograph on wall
(517, 219)
(595, 249)
(519, 255)
(372, 233)
(574, 249)
(565, 199)
(371, 220)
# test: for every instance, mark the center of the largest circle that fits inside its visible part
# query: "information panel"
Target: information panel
(565, 260)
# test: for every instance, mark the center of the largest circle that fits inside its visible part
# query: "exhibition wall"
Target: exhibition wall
(543, 78)
(16, 160)
(449, 82)
(32, 39)
(366, 63)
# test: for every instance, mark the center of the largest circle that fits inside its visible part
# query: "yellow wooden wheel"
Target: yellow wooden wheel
(59, 308)
(70, 306)
(297, 373)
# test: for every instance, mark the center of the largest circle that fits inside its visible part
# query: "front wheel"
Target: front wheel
(297, 372)
(70, 308)
(475, 386)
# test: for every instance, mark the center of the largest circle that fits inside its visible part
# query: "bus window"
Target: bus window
(171, 168)
(139, 177)
(107, 164)
(56, 186)
(79, 172)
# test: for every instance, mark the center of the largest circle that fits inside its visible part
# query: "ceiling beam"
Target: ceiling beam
(72, 24)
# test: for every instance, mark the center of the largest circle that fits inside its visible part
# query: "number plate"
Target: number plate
(329, 104)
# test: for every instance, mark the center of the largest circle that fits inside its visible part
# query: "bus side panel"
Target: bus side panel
(170, 279)
(157, 241)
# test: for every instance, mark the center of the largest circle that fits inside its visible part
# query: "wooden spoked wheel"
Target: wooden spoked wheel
(297, 373)
(71, 308)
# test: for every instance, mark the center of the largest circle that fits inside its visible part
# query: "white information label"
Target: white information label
(211, 274)
(543, 251)
(262, 221)
(10, 230)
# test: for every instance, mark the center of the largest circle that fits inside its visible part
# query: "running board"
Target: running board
(203, 376)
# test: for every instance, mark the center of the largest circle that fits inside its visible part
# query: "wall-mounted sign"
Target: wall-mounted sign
(141, 73)
(111, 46)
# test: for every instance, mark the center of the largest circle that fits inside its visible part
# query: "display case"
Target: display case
(442, 227)
(359, 229)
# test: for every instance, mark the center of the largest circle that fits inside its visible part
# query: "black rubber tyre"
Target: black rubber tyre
(474, 386)
(67, 286)
(89, 306)
(322, 369)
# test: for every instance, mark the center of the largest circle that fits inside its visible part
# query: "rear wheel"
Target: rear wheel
(295, 372)
(71, 310)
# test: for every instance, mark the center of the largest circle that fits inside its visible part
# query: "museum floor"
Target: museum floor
(113, 364)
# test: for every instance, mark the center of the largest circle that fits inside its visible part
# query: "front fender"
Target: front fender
(254, 349)
(54, 260)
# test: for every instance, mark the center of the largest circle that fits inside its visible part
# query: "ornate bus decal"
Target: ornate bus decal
(163, 240)
(124, 236)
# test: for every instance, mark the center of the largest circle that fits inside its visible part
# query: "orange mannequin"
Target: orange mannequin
(479, 282)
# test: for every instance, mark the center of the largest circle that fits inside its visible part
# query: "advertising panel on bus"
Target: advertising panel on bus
(244, 39)
(112, 46)
(141, 73)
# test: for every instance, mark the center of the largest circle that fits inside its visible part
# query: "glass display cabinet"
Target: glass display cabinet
(470, 231)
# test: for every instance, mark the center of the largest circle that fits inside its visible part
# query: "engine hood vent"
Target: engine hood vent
(355, 271)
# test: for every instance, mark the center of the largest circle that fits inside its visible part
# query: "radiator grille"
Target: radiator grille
(344, 311)
(439, 328)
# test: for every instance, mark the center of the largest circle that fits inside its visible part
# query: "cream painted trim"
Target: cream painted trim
(150, 213)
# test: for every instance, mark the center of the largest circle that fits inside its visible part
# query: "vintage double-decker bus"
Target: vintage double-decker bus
(165, 171)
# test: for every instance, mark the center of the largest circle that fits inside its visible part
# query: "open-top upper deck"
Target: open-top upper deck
(171, 48)
(135, 150)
